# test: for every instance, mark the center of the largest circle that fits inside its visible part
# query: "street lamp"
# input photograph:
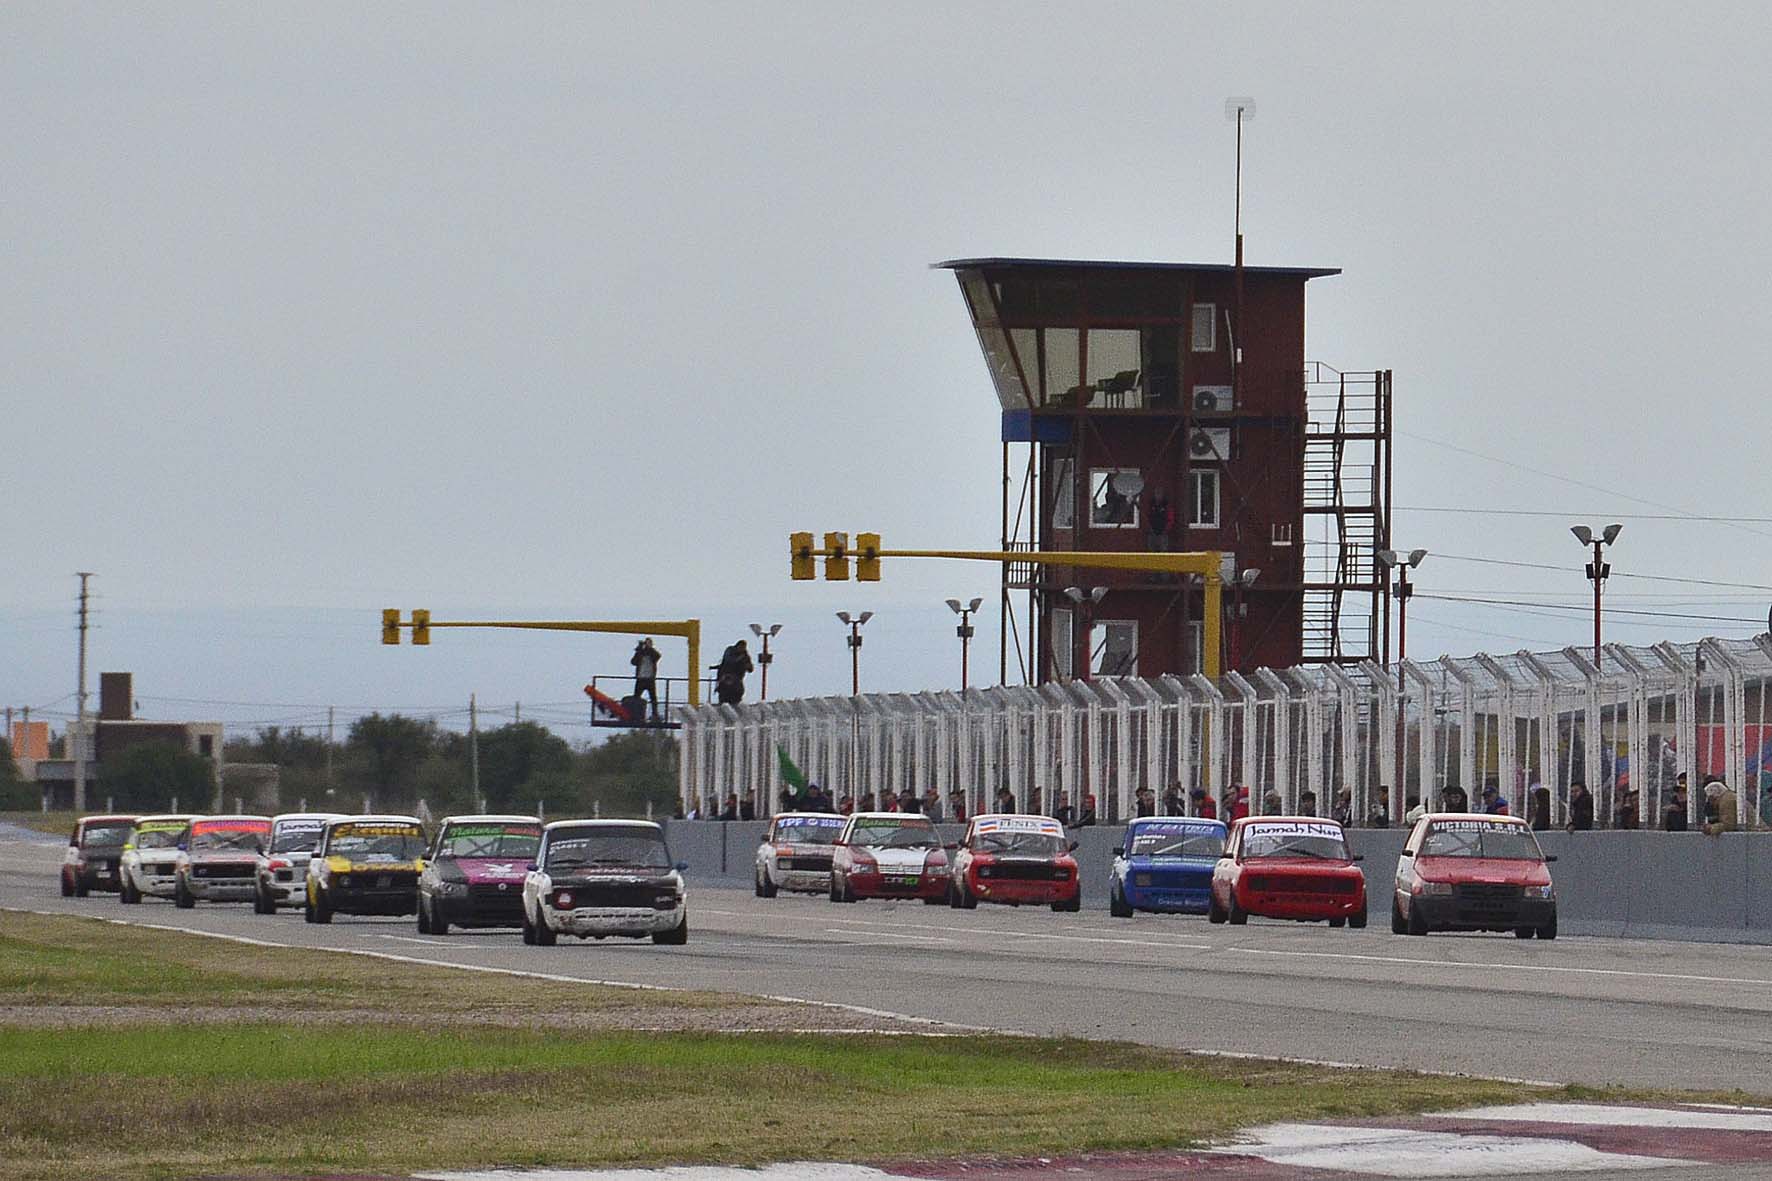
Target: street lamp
(1243, 580)
(764, 658)
(854, 626)
(1086, 601)
(964, 631)
(1598, 569)
(1402, 564)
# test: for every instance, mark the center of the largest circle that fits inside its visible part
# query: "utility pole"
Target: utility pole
(517, 713)
(79, 751)
(329, 719)
(474, 743)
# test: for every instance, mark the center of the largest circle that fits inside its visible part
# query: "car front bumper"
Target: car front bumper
(281, 892)
(1300, 906)
(481, 908)
(1018, 891)
(592, 921)
(371, 900)
(878, 885)
(800, 881)
(153, 881)
(1460, 915)
(220, 889)
(1169, 899)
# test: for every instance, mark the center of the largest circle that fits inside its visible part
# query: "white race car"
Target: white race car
(217, 858)
(796, 853)
(150, 859)
(282, 871)
(597, 878)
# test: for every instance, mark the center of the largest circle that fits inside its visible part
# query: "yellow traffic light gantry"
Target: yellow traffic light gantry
(1208, 564)
(690, 629)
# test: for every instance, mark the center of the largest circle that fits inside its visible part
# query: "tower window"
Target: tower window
(1205, 506)
(1205, 328)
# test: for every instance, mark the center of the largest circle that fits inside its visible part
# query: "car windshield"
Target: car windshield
(1480, 838)
(377, 842)
(231, 839)
(586, 848)
(519, 841)
(105, 834)
(1019, 844)
(1323, 841)
(895, 834)
(300, 837)
(158, 837)
(1177, 841)
(808, 830)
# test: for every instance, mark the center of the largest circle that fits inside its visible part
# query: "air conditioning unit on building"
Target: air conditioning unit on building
(1210, 444)
(1214, 399)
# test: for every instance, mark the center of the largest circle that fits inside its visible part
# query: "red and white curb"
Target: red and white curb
(1477, 1142)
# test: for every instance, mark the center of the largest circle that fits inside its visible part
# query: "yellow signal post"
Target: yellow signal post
(867, 557)
(805, 566)
(836, 556)
(689, 629)
(1208, 564)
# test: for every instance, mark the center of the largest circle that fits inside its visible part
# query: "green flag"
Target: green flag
(790, 774)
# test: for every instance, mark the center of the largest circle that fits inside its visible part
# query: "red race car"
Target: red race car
(1288, 867)
(889, 855)
(1472, 872)
(1015, 859)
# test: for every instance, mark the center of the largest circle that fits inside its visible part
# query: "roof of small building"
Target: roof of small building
(1216, 268)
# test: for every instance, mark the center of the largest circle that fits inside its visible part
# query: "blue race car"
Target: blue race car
(1165, 865)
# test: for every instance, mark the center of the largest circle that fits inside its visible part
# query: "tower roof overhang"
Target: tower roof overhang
(1205, 268)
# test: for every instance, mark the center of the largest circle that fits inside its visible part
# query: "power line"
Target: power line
(1534, 512)
(1584, 610)
(1615, 574)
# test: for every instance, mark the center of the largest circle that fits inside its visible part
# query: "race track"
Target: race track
(1587, 1010)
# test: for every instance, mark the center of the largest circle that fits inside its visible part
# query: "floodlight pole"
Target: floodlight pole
(764, 658)
(1598, 570)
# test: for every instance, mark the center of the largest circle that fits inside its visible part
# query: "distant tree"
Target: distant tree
(16, 792)
(629, 771)
(386, 754)
(514, 755)
(150, 775)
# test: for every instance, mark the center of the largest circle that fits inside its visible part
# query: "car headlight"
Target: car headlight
(1434, 889)
(452, 889)
(1541, 891)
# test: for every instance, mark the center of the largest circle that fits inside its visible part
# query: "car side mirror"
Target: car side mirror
(184, 846)
(531, 867)
(681, 866)
(952, 846)
(1407, 853)
(1357, 857)
(1550, 856)
(1070, 847)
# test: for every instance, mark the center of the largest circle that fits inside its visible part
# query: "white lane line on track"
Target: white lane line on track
(407, 939)
(1356, 957)
(944, 1028)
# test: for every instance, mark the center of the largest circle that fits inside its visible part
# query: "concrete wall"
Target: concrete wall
(1637, 885)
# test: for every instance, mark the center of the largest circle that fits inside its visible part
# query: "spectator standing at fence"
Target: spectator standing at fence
(1064, 813)
(1307, 802)
(1036, 805)
(957, 806)
(1380, 816)
(847, 807)
(790, 802)
(1272, 804)
(1493, 804)
(1454, 799)
(1538, 807)
(1005, 800)
(1239, 803)
(1679, 805)
(1086, 817)
(1174, 804)
(932, 805)
(1416, 810)
(1204, 808)
(746, 809)
(866, 803)
(1581, 808)
(1626, 813)
(730, 810)
(1720, 807)
(1146, 802)
(1342, 810)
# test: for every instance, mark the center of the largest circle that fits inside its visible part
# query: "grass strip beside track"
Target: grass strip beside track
(58, 824)
(286, 1076)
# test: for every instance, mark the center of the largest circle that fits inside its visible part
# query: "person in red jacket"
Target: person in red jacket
(1204, 808)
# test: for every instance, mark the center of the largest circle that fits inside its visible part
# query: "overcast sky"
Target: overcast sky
(579, 310)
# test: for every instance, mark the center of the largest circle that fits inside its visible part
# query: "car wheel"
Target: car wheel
(181, 895)
(439, 924)
(1341, 922)
(968, 900)
(545, 936)
(127, 893)
(766, 887)
(261, 903)
(937, 900)
(676, 937)
(1525, 932)
(836, 894)
(1416, 925)
(67, 885)
(1398, 926)
(1357, 920)
(1236, 915)
(1214, 912)
(954, 895)
(81, 889)
(424, 916)
(1549, 930)
(1117, 904)
(1070, 905)
(528, 928)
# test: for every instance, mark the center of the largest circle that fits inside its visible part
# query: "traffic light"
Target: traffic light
(390, 626)
(836, 557)
(867, 557)
(421, 627)
(804, 567)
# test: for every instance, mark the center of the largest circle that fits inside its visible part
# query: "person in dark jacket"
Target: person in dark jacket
(1086, 817)
(1147, 802)
(1539, 808)
(1174, 803)
(1581, 808)
(746, 809)
(730, 810)
(1679, 806)
(1064, 813)
(729, 674)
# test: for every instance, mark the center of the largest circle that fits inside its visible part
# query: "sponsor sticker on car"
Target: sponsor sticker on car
(1039, 824)
(787, 822)
(1296, 828)
(1475, 825)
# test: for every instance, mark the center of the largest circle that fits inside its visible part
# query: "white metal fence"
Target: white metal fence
(1513, 722)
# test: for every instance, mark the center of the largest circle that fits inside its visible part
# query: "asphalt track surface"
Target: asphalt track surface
(1584, 1010)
